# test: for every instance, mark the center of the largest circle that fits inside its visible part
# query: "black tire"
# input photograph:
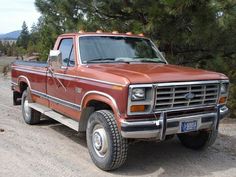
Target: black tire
(117, 146)
(198, 140)
(31, 116)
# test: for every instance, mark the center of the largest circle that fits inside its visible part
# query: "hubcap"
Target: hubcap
(26, 108)
(99, 140)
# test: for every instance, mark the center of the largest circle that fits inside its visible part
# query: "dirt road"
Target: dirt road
(51, 149)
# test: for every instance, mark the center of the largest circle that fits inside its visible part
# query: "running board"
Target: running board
(56, 116)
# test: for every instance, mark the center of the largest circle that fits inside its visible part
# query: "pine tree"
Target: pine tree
(24, 37)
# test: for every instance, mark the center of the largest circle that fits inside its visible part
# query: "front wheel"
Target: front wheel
(30, 115)
(198, 140)
(107, 148)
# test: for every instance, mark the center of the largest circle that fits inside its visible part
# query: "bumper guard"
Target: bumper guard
(163, 126)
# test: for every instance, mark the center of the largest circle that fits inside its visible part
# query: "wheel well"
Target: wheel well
(23, 87)
(91, 107)
(17, 95)
(98, 105)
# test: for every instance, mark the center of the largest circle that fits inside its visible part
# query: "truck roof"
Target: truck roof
(100, 33)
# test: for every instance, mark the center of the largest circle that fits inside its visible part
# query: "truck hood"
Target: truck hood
(153, 73)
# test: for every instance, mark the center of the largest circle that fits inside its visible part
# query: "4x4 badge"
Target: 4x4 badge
(189, 96)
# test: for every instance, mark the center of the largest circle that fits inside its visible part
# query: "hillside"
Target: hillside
(10, 35)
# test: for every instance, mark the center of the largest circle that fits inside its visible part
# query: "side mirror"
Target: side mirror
(55, 59)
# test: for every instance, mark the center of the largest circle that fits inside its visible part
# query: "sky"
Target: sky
(14, 12)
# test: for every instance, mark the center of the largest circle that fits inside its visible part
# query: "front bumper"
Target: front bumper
(163, 126)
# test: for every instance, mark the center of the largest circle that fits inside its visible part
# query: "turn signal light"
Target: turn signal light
(137, 108)
(222, 100)
(117, 87)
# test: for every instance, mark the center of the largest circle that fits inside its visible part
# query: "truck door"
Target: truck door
(61, 83)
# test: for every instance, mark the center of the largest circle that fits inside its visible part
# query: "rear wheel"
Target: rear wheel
(198, 140)
(30, 115)
(107, 148)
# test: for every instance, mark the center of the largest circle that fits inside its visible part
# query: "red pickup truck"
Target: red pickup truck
(118, 88)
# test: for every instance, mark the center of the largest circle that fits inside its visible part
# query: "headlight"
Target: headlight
(141, 99)
(223, 89)
(138, 94)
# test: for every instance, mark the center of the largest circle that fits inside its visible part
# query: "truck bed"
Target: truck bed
(31, 63)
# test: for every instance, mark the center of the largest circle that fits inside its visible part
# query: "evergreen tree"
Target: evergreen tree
(24, 37)
(1, 48)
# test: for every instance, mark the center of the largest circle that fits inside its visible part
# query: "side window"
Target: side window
(67, 50)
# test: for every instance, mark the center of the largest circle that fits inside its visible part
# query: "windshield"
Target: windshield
(117, 49)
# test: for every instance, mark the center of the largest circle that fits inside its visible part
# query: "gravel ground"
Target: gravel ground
(51, 149)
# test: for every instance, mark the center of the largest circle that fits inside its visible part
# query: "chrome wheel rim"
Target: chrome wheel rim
(100, 141)
(26, 108)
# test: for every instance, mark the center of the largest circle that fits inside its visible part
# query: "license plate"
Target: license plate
(189, 126)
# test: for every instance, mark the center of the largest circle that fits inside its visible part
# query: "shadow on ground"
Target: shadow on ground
(79, 138)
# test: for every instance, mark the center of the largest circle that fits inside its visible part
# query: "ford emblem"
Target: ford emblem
(189, 96)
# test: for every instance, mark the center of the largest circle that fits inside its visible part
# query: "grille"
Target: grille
(178, 96)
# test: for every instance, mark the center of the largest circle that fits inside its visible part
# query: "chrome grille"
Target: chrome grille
(175, 96)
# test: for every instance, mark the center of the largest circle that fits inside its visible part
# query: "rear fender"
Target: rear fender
(23, 79)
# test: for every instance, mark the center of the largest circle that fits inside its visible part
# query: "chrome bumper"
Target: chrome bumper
(164, 126)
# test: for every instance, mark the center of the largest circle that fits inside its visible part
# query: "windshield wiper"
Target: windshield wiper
(95, 60)
(106, 60)
(151, 60)
(124, 60)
